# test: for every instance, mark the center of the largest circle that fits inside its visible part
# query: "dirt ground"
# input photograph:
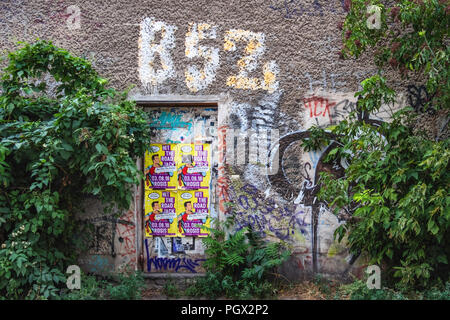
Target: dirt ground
(306, 290)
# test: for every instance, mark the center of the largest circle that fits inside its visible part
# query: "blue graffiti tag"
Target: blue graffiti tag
(266, 216)
(171, 121)
(173, 263)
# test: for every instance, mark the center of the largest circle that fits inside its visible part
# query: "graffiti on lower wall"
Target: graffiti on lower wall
(173, 264)
(283, 204)
(308, 227)
(126, 240)
(267, 218)
(110, 242)
(173, 255)
(97, 263)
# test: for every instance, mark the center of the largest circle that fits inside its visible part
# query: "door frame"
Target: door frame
(221, 102)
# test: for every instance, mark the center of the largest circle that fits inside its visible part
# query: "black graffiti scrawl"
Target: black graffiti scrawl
(418, 98)
(309, 187)
(306, 190)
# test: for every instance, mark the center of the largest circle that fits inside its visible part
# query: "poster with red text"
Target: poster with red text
(193, 166)
(193, 213)
(160, 167)
(160, 217)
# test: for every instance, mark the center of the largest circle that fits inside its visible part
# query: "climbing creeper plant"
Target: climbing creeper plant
(394, 195)
(56, 147)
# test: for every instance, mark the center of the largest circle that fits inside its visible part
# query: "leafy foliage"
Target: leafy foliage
(357, 290)
(394, 195)
(91, 288)
(56, 147)
(436, 294)
(171, 289)
(239, 264)
(412, 38)
(129, 287)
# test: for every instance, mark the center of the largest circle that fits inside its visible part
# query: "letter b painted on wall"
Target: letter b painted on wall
(74, 280)
(374, 280)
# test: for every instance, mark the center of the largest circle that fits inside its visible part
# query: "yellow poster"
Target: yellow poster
(160, 217)
(193, 166)
(193, 213)
(160, 167)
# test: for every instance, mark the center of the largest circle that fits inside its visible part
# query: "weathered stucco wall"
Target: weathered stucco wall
(271, 67)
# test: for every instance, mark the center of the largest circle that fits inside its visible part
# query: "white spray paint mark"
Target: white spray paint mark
(198, 79)
(249, 62)
(148, 49)
(73, 22)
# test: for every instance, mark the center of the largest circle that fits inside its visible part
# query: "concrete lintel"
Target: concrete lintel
(173, 98)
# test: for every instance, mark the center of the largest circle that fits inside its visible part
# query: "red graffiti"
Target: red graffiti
(222, 134)
(125, 234)
(302, 252)
(319, 106)
(303, 261)
(303, 258)
(223, 193)
(222, 181)
(359, 271)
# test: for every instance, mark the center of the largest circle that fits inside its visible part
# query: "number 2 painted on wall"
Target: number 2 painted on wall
(249, 62)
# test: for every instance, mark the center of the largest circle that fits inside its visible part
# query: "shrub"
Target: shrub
(55, 148)
(239, 264)
(438, 294)
(91, 288)
(171, 290)
(129, 287)
(392, 195)
(358, 290)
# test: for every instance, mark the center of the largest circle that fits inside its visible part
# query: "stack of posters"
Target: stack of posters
(177, 180)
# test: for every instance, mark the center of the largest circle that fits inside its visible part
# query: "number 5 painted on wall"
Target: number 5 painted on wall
(195, 78)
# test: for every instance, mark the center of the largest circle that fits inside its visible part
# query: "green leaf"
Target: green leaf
(389, 253)
(432, 227)
(19, 262)
(442, 259)
(67, 147)
(101, 148)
